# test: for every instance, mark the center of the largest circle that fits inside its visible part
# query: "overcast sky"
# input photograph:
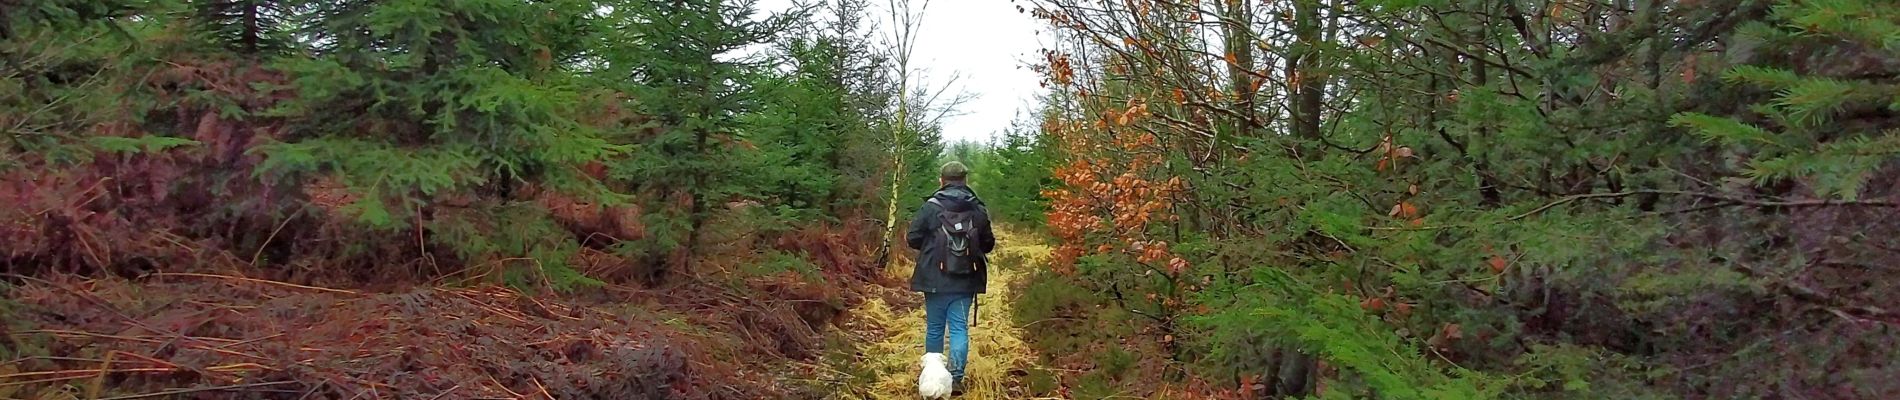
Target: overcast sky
(987, 42)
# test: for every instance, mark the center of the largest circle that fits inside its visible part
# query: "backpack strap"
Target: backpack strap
(940, 206)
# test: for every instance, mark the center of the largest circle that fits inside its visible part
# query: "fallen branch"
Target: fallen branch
(1713, 196)
(446, 392)
(1832, 303)
(195, 390)
(544, 389)
(1721, 199)
(254, 280)
(497, 382)
(87, 374)
(197, 346)
(62, 332)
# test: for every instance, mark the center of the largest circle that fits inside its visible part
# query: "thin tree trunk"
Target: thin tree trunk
(1308, 78)
(1295, 371)
(1239, 40)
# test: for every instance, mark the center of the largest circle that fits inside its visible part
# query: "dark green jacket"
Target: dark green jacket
(930, 251)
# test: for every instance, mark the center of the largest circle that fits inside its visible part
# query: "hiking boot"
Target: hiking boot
(956, 387)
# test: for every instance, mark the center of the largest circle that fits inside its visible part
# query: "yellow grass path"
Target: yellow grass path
(996, 345)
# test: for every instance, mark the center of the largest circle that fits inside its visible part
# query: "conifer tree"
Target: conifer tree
(680, 67)
(248, 27)
(1545, 199)
(410, 105)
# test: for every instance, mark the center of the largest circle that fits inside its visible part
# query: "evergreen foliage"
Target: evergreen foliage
(503, 139)
(1012, 171)
(1478, 199)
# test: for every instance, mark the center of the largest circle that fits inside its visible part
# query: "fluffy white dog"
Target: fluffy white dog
(935, 381)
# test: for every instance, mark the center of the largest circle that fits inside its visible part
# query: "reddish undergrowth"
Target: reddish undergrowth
(268, 339)
(210, 330)
(184, 269)
(204, 331)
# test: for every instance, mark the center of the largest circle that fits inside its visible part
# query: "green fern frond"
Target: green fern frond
(1762, 33)
(1724, 130)
(1838, 169)
(520, 238)
(1768, 77)
(1336, 328)
(1815, 100)
(146, 144)
(1864, 21)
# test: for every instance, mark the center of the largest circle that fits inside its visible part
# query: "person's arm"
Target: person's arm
(919, 227)
(988, 241)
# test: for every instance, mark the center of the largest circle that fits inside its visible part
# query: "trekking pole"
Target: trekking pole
(976, 303)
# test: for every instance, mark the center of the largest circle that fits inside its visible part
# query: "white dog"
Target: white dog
(935, 381)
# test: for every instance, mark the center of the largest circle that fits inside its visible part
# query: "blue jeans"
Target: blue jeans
(949, 310)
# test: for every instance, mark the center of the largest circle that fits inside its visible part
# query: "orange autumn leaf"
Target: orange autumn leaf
(1497, 264)
(1445, 335)
(1373, 303)
(1403, 209)
(1371, 41)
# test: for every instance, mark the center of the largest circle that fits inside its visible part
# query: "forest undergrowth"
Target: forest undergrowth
(723, 335)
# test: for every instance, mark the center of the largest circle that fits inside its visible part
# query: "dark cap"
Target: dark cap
(954, 171)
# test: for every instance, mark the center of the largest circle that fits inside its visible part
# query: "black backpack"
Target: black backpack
(956, 230)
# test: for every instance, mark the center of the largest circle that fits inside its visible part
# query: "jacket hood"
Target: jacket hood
(957, 198)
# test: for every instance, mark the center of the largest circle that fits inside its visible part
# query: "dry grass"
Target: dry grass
(996, 345)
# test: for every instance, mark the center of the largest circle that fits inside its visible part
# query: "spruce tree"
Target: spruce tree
(414, 105)
(678, 62)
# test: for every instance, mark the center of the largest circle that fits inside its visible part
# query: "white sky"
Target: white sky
(987, 42)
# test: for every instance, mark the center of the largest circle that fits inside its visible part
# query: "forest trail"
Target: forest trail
(998, 354)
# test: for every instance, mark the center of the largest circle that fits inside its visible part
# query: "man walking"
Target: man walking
(953, 238)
